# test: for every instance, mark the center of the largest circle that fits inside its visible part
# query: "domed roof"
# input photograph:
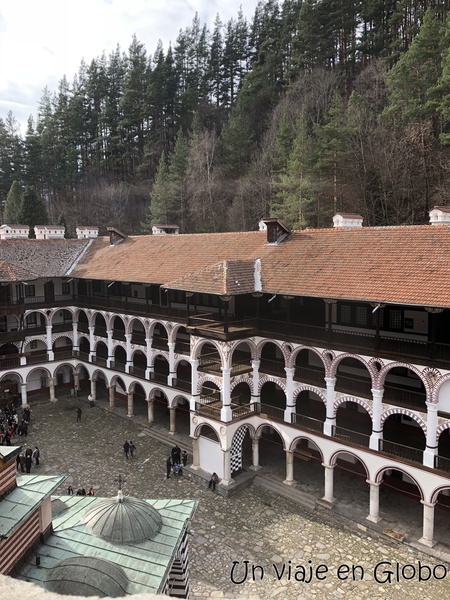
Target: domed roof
(123, 519)
(87, 576)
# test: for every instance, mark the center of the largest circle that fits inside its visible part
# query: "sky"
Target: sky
(43, 40)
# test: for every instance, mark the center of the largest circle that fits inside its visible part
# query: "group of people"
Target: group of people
(80, 492)
(24, 460)
(129, 448)
(176, 461)
(11, 425)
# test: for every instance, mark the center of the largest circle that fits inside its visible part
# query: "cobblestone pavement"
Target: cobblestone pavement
(270, 532)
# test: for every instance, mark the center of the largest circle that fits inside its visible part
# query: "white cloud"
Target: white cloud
(42, 41)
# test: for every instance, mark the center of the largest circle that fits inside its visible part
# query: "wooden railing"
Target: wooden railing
(354, 437)
(412, 454)
(306, 422)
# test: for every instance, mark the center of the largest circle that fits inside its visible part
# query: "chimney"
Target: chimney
(276, 230)
(347, 220)
(440, 215)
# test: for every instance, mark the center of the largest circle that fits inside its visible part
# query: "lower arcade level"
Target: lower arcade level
(297, 448)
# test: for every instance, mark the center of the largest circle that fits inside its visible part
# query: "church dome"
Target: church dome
(123, 520)
(87, 576)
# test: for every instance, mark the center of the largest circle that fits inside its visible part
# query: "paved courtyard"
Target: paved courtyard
(291, 553)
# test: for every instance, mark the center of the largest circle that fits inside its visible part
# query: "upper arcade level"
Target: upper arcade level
(396, 332)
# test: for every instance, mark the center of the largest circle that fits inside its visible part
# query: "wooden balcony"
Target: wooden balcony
(414, 455)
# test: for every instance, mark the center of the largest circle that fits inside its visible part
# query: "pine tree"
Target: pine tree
(12, 212)
(33, 210)
(161, 210)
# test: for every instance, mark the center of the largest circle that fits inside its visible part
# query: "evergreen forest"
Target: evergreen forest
(308, 108)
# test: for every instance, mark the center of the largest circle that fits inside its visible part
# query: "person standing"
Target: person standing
(28, 463)
(213, 481)
(79, 412)
(126, 448)
(132, 448)
(184, 458)
(176, 454)
(168, 467)
(36, 454)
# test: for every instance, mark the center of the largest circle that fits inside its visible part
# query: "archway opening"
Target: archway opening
(352, 377)
(272, 360)
(310, 411)
(403, 437)
(353, 424)
(403, 387)
(309, 368)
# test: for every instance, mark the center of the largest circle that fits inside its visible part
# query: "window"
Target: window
(346, 313)
(395, 319)
(66, 288)
(31, 319)
(33, 344)
(30, 291)
(361, 316)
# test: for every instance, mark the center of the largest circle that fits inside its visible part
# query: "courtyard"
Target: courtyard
(256, 544)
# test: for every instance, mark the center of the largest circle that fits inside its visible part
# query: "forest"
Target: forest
(309, 108)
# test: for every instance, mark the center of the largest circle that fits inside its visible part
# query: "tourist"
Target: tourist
(35, 455)
(79, 411)
(168, 467)
(126, 448)
(184, 458)
(70, 491)
(132, 448)
(213, 481)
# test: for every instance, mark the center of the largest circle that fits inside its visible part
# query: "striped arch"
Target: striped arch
(117, 343)
(261, 427)
(154, 323)
(67, 334)
(251, 346)
(37, 310)
(359, 401)
(198, 345)
(161, 353)
(385, 370)
(216, 380)
(373, 362)
(298, 349)
(16, 344)
(198, 429)
(10, 374)
(435, 493)
(174, 328)
(441, 428)
(103, 314)
(337, 360)
(84, 336)
(309, 388)
(178, 359)
(39, 338)
(97, 341)
(379, 476)
(296, 440)
(273, 379)
(113, 317)
(242, 379)
(134, 350)
(279, 345)
(407, 413)
(68, 309)
(129, 325)
(334, 457)
(86, 311)
(437, 388)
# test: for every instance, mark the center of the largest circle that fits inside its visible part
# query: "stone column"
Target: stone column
(76, 345)
(112, 396)
(255, 381)
(150, 412)
(172, 373)
(330, 421)
(431, 449)
(129, 362)
(428, 525)
(194, 383)
(255, 454)
(50, 354)
(23, 361)
(328, 498)
(94, 389)
(23, 393)
(91, 343)
(110, 358)
(51, 385)
(226, 480)
(289, 468)
(377, 432)
(195, 454)
(130, 404)
(149, 368)
(374, 503)
(225, 413)
(172, 414)
(290, 404)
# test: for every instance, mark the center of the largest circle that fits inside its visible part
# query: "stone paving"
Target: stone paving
(291, 553)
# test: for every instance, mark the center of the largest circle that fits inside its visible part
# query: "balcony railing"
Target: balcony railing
(272, 412)
(443, 463)
(353, 437)
(306, 422)
(412, 454)
(272, 367)
(98, 360)
(180, 384)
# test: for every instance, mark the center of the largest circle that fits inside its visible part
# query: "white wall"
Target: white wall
(211, 456)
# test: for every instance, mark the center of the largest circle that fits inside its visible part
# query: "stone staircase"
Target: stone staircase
(274, 485)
